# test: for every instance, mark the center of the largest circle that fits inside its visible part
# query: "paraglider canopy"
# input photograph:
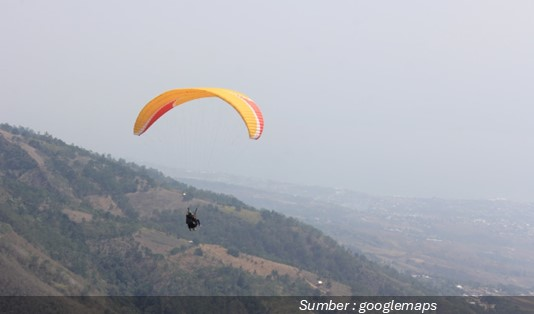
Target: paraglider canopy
(157, 107)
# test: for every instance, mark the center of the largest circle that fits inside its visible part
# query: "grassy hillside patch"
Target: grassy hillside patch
(250, 216)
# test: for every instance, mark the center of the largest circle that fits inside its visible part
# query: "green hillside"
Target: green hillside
(74, 222)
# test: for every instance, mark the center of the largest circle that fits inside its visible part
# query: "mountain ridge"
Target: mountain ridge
(98, 226)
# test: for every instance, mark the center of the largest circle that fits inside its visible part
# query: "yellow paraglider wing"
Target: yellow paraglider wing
(157, 107)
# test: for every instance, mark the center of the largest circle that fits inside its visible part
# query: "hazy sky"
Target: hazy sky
(412, 98)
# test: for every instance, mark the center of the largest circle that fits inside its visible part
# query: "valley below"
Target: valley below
(479, 247)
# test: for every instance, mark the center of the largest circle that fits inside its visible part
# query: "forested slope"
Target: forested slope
(74, 222)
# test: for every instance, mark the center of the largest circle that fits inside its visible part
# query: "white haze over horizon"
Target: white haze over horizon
(408, 98)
